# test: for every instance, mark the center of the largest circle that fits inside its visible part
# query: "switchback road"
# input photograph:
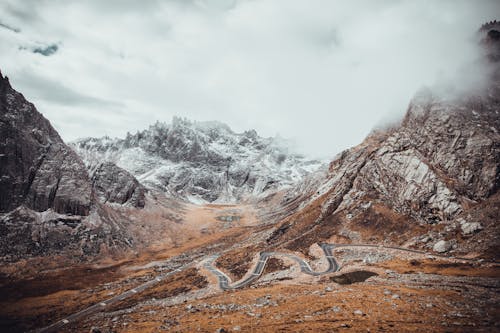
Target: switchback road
(225, 281)
(333, 266)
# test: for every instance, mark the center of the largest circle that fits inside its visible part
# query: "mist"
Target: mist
(322, 73)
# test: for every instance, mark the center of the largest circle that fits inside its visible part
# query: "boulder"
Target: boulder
(442, 246)
(469, 228)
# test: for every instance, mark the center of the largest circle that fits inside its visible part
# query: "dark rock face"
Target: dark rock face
(113, 184)
(37, 169)
(49, 205)
(26, 232)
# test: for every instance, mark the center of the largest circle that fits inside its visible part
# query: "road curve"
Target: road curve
(226, 284)
(225, 281)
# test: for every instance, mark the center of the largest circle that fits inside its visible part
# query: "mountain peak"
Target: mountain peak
(486, 27)
(41, 171)
(4, 81)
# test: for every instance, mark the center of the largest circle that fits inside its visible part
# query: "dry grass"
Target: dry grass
(308, 308)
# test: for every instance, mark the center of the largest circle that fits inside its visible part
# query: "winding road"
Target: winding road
(102, 305)
(225, 282)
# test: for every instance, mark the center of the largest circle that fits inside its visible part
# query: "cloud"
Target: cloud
(323, 72)
(8, 27)
(47, 50)
(52, 91)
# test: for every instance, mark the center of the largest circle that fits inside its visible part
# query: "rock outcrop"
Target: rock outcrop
(442, 246)
(115, 185)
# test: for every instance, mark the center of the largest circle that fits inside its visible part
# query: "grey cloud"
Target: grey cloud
(53, 91)
(46, 51)
(324, 72)
(8, 27)
(43, 50)
(327, 38)
(26, 11)
(124, 6)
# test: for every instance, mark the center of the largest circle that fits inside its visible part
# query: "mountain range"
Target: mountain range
(201, 161)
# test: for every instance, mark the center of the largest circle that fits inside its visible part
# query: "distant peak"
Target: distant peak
(4, 81)
(180, 121)
(490, 32)
(490, 40)
(490, 25)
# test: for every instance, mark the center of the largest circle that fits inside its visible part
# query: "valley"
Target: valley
(190, 226)
(178, 287)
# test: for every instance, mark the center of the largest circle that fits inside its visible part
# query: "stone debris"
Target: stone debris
(442, 246)
(469, 228)
(336, 309)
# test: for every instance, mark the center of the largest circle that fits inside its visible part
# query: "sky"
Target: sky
(323, 73)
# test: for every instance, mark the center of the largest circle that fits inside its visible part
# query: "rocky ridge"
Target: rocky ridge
(201, 161)
(38, 170)
(432, 169)
(49, 202)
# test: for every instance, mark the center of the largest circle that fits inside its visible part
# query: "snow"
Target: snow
(201, 161)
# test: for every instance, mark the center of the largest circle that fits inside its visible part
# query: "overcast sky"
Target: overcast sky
(321, 72)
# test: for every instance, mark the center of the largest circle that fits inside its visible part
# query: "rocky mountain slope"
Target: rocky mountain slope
(430, 182)
(49, 202)
(37, 168)
(201, 161)
(112, 184)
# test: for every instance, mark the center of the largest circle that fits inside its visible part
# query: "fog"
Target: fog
(322, 73)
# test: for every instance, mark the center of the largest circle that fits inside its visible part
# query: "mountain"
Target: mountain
(49, 203)
(431, 180)
(201, 161)
(37, 168)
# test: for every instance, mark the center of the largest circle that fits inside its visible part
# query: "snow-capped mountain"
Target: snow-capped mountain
(201, 161)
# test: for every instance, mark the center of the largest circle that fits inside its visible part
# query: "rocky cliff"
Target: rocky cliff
(115, 185)
(48, 200)
(417, 183)
(38, 170)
